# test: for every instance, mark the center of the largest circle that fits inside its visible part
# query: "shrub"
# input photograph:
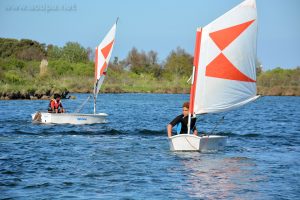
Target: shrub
(12, 77)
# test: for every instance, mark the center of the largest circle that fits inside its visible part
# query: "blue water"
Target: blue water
(129, 158)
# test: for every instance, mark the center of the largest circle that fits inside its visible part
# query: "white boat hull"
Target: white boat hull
(69, 118)
(189, 142)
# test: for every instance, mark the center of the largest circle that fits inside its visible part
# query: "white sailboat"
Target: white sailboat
(224, 72)
(102, 57)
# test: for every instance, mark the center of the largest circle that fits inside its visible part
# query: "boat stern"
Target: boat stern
(189, 142)
(211, 143)
(184, 142)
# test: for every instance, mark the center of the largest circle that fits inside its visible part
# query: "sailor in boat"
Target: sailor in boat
(182, 122)
(55, 105)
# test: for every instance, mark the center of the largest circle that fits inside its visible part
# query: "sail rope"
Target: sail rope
(191, 144)
(82, 105)
(217, 124)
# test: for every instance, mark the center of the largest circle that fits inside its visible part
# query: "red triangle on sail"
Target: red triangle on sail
(105, 51)
(221, 67)
(224, 37)
(103, 69)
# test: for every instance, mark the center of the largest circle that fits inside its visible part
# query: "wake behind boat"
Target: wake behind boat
(224, 72)
(102, 57)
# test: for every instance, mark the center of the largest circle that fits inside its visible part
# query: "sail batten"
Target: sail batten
(225, 70)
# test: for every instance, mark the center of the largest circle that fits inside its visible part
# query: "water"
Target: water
(129, 158)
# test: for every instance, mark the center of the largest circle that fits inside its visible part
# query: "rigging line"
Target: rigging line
(218, 123)
(96, 93)
(95, 86)
(189, 79)
(190, 144)
(81, 106)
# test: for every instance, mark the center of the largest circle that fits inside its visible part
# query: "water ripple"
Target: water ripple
(129, 158)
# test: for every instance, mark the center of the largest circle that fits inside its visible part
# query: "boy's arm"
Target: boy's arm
(169, 130)
(174, 122)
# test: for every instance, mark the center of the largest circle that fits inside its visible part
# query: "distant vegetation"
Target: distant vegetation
(71, 68)
(279, 82)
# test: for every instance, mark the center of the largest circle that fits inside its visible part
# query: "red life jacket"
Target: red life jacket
(53, 103)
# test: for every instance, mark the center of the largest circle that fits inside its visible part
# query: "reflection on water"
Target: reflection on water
(212, 176)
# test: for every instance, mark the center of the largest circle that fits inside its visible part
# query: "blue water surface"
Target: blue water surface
(129, 157)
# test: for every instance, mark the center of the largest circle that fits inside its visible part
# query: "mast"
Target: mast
(194, 77)
(95, 98)
(96, 79)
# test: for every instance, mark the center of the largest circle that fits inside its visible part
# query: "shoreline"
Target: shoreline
(66, 94)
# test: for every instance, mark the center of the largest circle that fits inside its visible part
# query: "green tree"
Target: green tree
(7, 47)
(134, 61)
(259, 68)
(24, 49)
(74, 52)
(54, 52)
(143, 62)
(179, 63)
(30, 50)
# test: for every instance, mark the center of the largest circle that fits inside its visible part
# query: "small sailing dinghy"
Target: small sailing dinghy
(224, 72)
(102, 56)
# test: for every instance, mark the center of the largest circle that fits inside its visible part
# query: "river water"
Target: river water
(129, 157)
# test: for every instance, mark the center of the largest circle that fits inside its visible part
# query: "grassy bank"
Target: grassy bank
(28, 82)
(30, 70)
(18, 83)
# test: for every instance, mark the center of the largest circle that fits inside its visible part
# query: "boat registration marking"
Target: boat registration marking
(81, 118)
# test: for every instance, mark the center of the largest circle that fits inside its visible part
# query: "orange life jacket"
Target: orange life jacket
(53, 104)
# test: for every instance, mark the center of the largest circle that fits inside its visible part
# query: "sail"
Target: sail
(102, 56)
(224, 74)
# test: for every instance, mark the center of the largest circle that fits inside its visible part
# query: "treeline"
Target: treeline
(71, 68)
(279, 82)
(178, 62)
(23, 49)
(29, 50)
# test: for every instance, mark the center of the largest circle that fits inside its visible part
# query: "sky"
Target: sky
(159, 25)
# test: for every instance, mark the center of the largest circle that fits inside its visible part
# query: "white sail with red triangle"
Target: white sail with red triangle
(102, 57)
(224, 75)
